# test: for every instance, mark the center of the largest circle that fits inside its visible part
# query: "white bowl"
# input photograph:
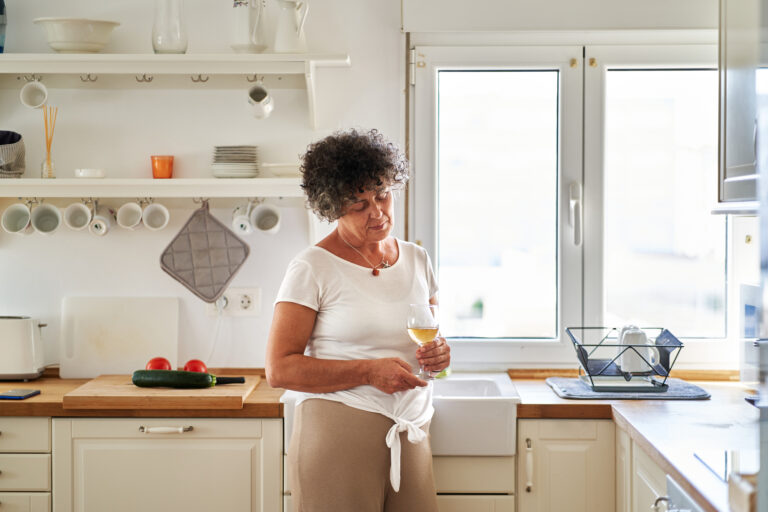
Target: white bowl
(89, 173)
(77, 35)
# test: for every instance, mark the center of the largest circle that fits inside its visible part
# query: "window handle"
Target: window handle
(575, 212)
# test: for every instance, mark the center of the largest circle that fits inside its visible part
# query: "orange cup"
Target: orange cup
(162, 166)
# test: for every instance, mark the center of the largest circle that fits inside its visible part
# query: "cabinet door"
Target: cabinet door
(476, 503)
(648, 481)
(566, 465)
(102, 464)
(623, 471)
(739, 58)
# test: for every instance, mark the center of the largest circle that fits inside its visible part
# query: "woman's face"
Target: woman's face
(370, 216)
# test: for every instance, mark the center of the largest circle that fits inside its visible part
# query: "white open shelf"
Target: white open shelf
(141, 187)
(198, 66)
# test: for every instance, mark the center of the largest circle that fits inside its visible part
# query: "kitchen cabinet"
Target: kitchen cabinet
(25, 464)
(474, 484)
(464, 484)
(648, 480)
(152, 464)
(565, 465)
(623, 471)
(739, 61)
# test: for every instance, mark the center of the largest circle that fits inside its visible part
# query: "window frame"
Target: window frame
(700, 352)
(567, 60)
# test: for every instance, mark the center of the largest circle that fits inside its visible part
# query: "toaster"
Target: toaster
(21, 351)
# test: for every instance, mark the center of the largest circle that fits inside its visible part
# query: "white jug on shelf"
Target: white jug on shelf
(289, 33)
(247, 18)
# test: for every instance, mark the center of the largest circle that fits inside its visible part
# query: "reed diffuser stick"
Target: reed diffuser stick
(49, 119)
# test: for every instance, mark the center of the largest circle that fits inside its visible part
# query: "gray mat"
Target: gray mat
(578, 390)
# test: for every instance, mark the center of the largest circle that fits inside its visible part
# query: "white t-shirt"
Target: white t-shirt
(362, 316)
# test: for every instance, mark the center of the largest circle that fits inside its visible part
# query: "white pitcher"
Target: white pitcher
(289, 33)
(247, 19)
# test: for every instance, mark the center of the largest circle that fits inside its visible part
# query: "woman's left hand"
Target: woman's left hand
(436, 356)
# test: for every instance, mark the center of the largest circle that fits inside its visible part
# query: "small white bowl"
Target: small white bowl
(77, 35)
(89, 173)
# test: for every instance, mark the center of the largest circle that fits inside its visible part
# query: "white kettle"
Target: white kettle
(289, 33)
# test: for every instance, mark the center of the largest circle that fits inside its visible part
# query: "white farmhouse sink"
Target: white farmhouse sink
(475, 414)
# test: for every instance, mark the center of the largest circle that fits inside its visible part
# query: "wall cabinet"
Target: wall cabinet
(25, 464)
(739, 62)
(566, 465)
(124, 465)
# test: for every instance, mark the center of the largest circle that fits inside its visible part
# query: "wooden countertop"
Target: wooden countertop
(669, 431)
(263, 402)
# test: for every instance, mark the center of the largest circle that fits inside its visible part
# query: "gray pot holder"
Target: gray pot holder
(204, 256)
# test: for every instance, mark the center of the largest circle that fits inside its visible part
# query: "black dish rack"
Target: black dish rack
(599, 354)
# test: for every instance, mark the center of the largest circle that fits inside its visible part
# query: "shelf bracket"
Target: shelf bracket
(309, 76)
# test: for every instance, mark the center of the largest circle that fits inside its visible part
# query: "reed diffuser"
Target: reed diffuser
(47, 169)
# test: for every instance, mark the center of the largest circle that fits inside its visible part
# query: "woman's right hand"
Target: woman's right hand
(392, 374)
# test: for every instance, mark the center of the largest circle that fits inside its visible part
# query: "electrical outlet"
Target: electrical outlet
(237, 302)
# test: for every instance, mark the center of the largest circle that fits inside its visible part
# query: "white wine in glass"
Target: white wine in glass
(423, 324)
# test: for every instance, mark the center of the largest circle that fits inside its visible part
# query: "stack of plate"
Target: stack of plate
(235, 162)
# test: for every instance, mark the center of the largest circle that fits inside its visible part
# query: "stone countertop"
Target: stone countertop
(668, 431)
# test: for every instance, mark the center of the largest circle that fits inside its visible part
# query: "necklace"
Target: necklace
(375, 268)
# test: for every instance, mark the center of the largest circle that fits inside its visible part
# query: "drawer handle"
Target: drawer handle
(165, 430)
(528, 465)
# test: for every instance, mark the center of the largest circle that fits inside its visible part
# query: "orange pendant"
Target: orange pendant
(375, 272)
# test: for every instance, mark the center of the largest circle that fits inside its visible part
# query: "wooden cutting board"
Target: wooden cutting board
(118, 392)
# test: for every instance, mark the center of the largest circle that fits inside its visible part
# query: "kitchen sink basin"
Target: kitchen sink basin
(475, 414)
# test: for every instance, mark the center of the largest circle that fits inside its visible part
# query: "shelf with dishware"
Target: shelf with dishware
(155, 188)
(123, 70)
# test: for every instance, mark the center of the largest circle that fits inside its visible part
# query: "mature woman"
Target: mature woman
(339, 337)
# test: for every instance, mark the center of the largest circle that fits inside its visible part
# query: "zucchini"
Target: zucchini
(180, 379)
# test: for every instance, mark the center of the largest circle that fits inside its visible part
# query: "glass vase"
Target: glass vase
(169, 35)
(47, 169)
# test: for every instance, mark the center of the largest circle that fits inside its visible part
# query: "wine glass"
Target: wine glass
(423, 324)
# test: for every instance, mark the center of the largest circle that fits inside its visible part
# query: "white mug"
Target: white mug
(266, 218)
(101, 221)
(77, 216)
(46, 219)
(34, 94)
(17, 219)
(261, 101)
(129, 216)
(156, 216)
(241, 223)
(639, 353)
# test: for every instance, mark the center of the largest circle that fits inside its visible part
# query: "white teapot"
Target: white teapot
(289, 33)
(641, 354)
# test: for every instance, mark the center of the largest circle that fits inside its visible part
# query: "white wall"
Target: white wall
(106, 125)
(512, 15)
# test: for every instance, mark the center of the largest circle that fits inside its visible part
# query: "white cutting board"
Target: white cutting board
(116, 335)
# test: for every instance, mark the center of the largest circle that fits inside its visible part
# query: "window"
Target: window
(567, 186)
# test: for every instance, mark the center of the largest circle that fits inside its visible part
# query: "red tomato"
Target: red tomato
(195, 365)
(158, 363)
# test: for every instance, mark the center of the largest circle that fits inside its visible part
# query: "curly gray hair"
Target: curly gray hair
(346, 163)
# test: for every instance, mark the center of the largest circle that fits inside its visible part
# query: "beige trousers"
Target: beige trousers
(338, 461)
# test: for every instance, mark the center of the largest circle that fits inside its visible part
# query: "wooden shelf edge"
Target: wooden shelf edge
(140, 187)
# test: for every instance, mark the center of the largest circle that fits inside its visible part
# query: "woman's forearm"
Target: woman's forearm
(303, 373)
